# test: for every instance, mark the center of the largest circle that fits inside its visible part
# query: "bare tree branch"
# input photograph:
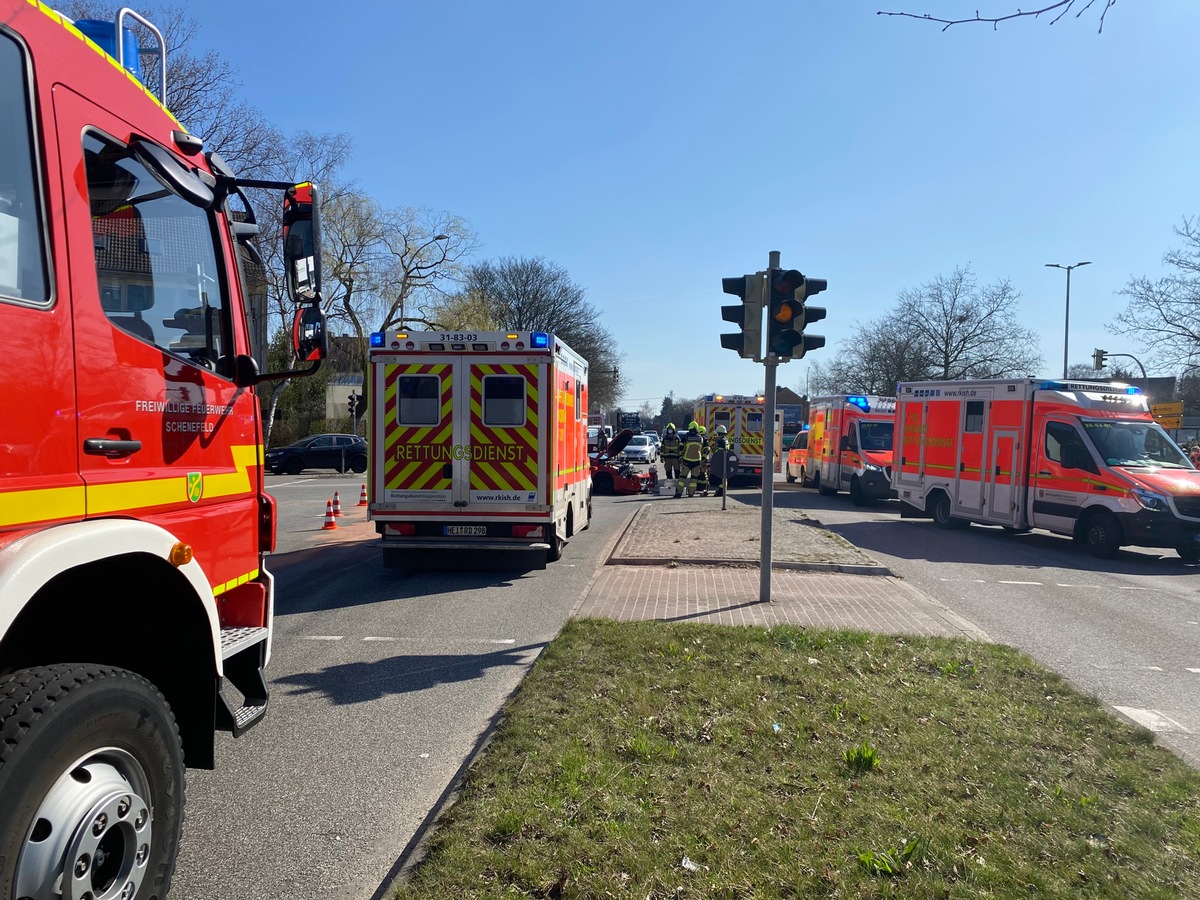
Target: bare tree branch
(1063, 6)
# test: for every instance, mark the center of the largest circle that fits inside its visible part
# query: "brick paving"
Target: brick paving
(689, 560)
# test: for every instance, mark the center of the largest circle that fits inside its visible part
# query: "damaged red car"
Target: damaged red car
(613, 475)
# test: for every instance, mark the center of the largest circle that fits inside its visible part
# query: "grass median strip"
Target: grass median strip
(656, 760)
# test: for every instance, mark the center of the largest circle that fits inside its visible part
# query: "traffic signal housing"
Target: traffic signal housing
(788, 316)
(351, 403)
(747, 342)
(1099, 359)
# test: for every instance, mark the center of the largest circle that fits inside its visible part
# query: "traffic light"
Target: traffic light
(747, 343)
(1099, 359)
(787, 316)
(351, 404)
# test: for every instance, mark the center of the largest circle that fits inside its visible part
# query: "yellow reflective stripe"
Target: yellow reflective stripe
(232, 583)
(129, 495)
(19, 507)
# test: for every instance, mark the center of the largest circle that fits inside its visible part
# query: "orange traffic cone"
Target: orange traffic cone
(337, 504)
(362, 498)
(330, 521)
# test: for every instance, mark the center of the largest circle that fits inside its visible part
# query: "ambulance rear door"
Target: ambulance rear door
(415, 459)
(504, 459)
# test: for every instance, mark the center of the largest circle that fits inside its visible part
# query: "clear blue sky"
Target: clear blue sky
(653, 148)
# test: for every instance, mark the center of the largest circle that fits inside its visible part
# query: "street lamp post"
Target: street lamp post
(1067, 323)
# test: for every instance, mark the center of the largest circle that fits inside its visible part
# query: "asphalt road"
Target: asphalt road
(383, 684)
(1125, 630)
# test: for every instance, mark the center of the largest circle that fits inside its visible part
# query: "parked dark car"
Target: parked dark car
(343, 452)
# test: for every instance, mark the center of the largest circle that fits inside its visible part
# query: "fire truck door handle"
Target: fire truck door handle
(1045, 472)
(110, 448)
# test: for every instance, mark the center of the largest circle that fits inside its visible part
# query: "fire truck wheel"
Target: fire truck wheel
(1102, 533)
(358, 465)
(602, 483)
(821, 489)
(557, 545)
(91, 784)
(791, 479)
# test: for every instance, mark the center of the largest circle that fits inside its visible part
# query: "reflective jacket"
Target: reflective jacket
(693, 447)
(671, 446)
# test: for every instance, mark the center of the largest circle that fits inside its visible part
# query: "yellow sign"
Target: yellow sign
(1169, 422)
(1167, 409)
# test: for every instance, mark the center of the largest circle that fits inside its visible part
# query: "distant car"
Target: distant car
(593, 437)
(341, 452)
(653, 435)
(640, 449)
(797, 458)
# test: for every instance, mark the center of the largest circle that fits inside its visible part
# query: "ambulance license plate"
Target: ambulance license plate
(465, 530)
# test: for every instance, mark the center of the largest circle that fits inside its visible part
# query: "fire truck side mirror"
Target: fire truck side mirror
(302, 243)
(171, 173)
(309, 340)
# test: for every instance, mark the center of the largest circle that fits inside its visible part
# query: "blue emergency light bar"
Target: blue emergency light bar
(539, 339)
(1060, 385)
(861, 402)
(376, 338)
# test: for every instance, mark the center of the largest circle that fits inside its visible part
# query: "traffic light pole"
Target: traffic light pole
(771, 365)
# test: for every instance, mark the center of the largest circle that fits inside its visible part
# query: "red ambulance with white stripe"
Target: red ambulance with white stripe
(850, 446)
(478, 443)
(1080, 458)
(133, 514)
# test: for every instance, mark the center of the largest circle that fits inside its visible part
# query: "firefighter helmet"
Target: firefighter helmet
(721, 429)
(692, 426)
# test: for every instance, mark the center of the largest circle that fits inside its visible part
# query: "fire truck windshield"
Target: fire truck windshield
(875, 435)
(1134, 444)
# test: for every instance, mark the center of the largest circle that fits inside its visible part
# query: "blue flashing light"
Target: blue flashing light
(1133, 390)
(539, 339)
(861, 402)
(376, 338)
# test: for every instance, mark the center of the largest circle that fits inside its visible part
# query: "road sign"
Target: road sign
(631, 420)
(1175, 408)
(723, 463)
(1169, 422)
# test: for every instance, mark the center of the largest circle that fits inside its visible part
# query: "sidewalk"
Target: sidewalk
(690, 560)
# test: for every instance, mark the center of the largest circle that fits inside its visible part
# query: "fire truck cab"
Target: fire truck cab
(1084, 459)
(133, 519)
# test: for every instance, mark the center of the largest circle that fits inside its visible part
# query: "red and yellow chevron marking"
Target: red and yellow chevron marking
(416, 456)
(510, 460)
(752, 441)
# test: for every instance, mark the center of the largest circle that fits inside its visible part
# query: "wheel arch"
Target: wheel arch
(67, 595)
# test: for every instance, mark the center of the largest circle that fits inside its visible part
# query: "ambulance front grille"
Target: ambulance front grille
(1188, 506)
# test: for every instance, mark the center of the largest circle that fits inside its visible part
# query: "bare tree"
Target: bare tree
(1054, 11)
(969, 331)
(1163, 315)
(531, 294)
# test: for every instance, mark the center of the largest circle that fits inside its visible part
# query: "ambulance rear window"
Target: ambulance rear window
(419, 400)
(503, 400)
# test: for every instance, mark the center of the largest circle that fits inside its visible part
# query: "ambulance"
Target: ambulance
(742, 417)
(135, 605)
(479, 442)
(850, 446)
(1080, 458)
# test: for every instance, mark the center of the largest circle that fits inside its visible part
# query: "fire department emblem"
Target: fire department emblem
(195, 486)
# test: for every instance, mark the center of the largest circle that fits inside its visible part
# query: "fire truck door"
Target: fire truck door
(164, 434)
(974, 472)
(1002, 477)
(1058, 492)
(507, 434)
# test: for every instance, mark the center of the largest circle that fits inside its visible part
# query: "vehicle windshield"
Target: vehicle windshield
(875, 435)
(638, 441)
(1134, 444)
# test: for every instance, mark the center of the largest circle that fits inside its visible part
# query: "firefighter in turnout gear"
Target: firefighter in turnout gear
(719, 442)
(704, 454)
(670, 450)
(691, 461)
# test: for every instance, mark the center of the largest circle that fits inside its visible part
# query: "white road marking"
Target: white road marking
(1037, 583)
(1127, 668)
(1193, 671)
(963, 580)
(324, 637)
(370, 638)
(1152, 719)
(1121, 587)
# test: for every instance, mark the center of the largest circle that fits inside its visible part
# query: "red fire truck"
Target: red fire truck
(478, 443)
(850, 446)
(1079, 458)
(133, 518)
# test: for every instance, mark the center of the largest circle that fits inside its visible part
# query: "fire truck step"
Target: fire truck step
(243, 650)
